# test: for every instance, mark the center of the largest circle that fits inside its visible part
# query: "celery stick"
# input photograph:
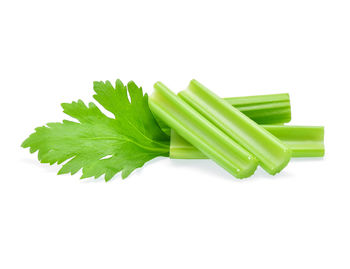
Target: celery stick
(304, 141)
(271, 153)
(263, 109)
(200, 132)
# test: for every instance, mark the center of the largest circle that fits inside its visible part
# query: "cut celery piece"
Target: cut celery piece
(263, 109)
(271, 153)
(304, 141)
(209, 139)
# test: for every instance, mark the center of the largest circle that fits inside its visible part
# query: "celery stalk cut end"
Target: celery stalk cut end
(200, 132)
(271, 153)
(278, 168)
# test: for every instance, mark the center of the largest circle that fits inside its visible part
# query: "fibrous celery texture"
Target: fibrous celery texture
(304, 141)
(263, 109)
(201, 133)
(271, 153)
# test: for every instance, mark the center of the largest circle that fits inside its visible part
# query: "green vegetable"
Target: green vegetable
(304, 141)
(103, 146)
(200, 132)
(100, 145)
(271, 153)
(263, 109)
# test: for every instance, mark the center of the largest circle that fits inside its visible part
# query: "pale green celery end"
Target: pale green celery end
(201, 133)
(304, 141)
(271, 153)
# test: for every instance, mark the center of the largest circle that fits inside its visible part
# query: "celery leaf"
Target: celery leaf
(98, 144)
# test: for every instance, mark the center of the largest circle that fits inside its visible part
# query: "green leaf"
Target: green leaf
(100, 145)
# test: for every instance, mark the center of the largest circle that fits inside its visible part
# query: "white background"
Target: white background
(174, 213)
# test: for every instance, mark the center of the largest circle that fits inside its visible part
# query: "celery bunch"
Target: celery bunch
(194, 124)
(271, 153)
(196, 108)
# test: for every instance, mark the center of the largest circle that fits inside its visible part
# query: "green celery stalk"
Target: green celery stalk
(304, 141)
(271, 153)
(263, 109)
(200, 132)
